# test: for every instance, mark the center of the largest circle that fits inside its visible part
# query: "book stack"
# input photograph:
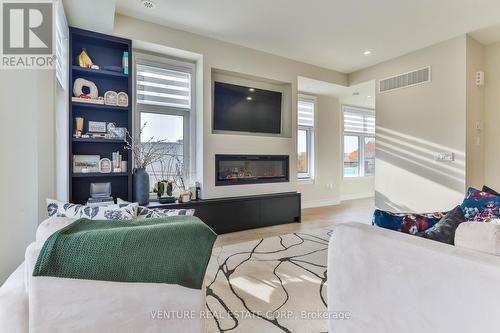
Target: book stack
(104, 201)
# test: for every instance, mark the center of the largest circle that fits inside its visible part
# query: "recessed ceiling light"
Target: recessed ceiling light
(367, 52)
(369, 96)
(249, 98)
(251, 89)
(148, 4)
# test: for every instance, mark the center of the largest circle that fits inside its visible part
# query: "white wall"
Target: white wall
(492, 116)
(415, 122)
(475, 112)
(233, 58)
(27, 173)
(325, 189)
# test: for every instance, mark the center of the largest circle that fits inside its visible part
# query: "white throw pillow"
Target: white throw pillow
(112, 212)
(479, 236)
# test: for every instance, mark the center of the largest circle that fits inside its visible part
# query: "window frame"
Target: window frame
(310, 137)
(188, 114)
(361, 141)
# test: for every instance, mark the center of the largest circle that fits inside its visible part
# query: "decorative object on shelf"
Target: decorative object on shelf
(110, 97)
(117, 133)
(78, 89)
(94, 67)
(110, 126)
(87, 100)
(125, 62)
(192, 190)
(198, 190)
(141, 186)
(86, 163)
(167, 200)
(124, 166)
(164, 189)
(145, 154)
(102, 136)
(100, 194)
(100, 190)
(117, 161)
(78, 127)
(97, 126)
(185, 197)
(84, 59)
(105, 165)
(122, 99)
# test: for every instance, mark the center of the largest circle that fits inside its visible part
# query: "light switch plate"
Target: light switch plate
(446, 156)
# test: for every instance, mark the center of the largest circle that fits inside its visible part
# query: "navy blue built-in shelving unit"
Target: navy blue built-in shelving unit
(104, 50)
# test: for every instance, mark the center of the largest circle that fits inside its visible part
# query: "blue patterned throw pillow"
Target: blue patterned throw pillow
(409, 223)
(481, 206)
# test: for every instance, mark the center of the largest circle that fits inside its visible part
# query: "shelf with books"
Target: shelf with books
(106, 52)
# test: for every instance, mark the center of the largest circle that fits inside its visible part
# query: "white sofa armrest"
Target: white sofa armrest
(51, 225)
(394, 282)
(479, 236)
(14, 303)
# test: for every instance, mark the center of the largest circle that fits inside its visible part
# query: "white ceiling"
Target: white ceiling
(488, 35)
(328, 33)
(362, 94)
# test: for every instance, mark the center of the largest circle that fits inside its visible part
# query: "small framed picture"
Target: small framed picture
(86, 163)
(110, 97)
(97, 126)
(122, 99)
(117, 133)
(105, 165)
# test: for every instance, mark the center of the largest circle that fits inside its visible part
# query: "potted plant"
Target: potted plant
(164, 189)
(145, 154)
(170, 176)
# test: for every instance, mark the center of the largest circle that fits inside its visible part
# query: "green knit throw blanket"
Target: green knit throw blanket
(172, 250)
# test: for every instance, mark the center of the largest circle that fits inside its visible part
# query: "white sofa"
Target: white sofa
(48, 304)
(393, 282)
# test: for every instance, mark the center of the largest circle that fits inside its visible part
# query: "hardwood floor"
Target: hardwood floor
(312, 218)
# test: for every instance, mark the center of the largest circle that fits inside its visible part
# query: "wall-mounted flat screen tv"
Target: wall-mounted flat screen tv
(246, 109)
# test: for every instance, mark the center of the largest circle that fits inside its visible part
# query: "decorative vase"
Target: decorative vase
(141, 186)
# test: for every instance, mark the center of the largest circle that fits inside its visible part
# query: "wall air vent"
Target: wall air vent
(405, 80)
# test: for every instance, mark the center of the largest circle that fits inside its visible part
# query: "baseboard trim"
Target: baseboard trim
(320, 203)
(357, 196)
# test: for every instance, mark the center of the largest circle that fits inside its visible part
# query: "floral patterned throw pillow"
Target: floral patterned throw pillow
(481, 206)
(409, 223)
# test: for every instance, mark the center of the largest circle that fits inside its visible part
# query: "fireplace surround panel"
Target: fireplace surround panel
(251, 169)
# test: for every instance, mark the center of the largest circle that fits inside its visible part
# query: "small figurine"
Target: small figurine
(84, 59)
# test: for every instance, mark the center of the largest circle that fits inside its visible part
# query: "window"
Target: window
(359, 142)
(305, 137)
(164, 100)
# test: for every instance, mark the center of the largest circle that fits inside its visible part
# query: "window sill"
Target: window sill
(305, 181)
(358, 177)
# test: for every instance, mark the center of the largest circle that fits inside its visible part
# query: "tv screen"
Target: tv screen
(246, 109)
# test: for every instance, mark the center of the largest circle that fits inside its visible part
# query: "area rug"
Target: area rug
(275, 284)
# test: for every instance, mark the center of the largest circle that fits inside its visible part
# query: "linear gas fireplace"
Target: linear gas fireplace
(251, 169)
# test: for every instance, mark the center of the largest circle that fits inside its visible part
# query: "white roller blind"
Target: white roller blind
(163, 87)
(359, 121)
(306, 112)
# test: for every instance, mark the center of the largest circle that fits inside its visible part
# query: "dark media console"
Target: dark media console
(225, 215)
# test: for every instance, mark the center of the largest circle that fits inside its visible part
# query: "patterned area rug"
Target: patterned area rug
(275, 284)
